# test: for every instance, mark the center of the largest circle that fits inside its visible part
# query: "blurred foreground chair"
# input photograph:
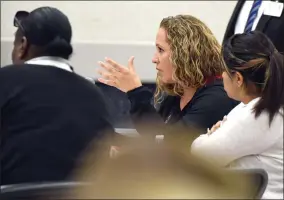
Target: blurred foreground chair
(39, 191)
(145, 170)
(60, 190)
(258, 178)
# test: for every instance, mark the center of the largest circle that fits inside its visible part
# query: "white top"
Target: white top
(58, 62)
(246, 142)
(244, 14)
(51, 61)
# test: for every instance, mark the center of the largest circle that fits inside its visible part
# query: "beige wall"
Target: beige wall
(117, 29)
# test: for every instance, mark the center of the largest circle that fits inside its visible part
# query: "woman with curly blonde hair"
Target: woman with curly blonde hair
(189, 89)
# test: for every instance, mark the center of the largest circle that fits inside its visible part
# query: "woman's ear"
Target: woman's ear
(23, 49)
(239, 79)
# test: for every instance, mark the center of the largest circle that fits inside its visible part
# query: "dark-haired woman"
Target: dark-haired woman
(251, 136)
(49, 114)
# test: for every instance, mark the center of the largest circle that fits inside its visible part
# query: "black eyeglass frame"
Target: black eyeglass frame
(19, 16)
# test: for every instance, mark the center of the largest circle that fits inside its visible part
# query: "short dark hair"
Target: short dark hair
(47, 28)
(256, 58)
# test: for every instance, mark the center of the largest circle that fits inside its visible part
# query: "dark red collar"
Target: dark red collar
(212, 79)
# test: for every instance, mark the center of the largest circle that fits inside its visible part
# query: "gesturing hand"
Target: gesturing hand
(121, 77)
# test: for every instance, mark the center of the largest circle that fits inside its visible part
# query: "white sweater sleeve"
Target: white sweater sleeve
(238, 137)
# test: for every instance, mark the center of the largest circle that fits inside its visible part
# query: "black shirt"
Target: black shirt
(208, 105)
(48, 118)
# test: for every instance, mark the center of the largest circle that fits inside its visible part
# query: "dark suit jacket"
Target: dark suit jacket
(49, 117)
(273, 27)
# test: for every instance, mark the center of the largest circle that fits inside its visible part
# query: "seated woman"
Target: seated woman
(252, 134)
(189, 89)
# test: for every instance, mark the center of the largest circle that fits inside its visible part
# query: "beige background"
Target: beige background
(117, 29)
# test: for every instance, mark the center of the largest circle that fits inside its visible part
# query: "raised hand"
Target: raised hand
(119, 76)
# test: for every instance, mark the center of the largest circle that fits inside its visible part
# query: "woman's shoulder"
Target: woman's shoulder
(215, 97)
(166, 103)
(245, 116)
(215, 89)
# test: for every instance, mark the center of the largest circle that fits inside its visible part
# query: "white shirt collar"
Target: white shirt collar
(51, 61)
(251, 103)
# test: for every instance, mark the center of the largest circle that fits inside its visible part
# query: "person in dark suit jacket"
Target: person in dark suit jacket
(271, 26)
(49, 114)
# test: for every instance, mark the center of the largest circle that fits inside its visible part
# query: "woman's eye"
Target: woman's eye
(160, 50)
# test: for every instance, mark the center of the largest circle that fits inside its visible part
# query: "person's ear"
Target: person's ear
(23, 48)
(239, 79)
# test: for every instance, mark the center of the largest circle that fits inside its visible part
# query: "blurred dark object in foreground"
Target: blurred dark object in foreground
(146, 169)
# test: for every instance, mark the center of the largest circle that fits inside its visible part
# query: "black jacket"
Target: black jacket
(49, 116)
(273, 27)
(208, 105)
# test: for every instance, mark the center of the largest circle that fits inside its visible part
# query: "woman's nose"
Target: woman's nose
(154, 59)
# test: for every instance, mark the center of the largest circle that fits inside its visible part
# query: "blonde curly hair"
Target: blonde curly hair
(195, 54)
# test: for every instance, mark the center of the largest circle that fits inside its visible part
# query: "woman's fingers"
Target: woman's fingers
(107, 78)
(109, 75)
(107, 82)
(107, 67)
(116, 66)
(131, 63)
(215, 127)
(218, 124)
(208, 131)
(119, 76)
(225, 118)
(106, 75)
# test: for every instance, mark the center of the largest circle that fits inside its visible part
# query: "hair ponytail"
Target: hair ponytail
(58, 47)
(272, 98)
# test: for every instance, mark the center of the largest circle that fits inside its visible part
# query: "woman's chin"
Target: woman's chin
(167, 81)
